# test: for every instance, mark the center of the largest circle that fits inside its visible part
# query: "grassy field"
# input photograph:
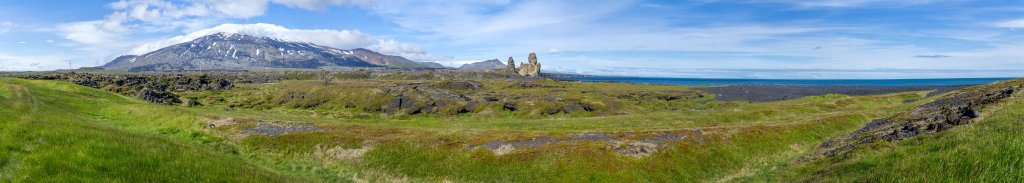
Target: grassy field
(628, 113)
(78, 133)
(989, 150)
(59, 132)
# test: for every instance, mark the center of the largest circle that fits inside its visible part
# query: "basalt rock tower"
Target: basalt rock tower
(511, 66)
(531, 69)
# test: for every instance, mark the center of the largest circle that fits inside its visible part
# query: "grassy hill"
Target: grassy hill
(61, 132)
(299, 131)
(989, 149)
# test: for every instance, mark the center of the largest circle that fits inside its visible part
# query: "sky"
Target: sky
(780, 39)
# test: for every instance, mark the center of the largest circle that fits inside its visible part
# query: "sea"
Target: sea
(807, 82)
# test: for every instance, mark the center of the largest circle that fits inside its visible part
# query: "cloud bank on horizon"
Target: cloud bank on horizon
(698, 38)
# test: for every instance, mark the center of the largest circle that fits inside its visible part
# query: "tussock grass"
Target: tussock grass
(749, 137)
(712, 114)
(60, 132)
(709, 157)
(116, 138)
(989, 150)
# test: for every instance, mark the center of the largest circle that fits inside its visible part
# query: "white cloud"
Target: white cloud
(847, 3)
(49, 41)
(92, 32)
(6, 26)
(132, 24)
(321, 4)
(1013, 24)
(483, 29)
(11, 62)
(130, 16)
(409, 51)
(554, 51)
(238, 8)
(471, 19)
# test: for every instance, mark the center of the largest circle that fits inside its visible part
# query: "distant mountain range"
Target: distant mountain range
(226, 51)
(483, 65)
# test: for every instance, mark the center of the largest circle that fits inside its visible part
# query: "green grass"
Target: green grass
(60, 132)
(745, 137)
(625, 115)
(989, 150)
(57, 131)
(710, 158)
(720, 115)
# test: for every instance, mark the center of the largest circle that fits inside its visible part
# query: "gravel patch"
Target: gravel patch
(278, 128)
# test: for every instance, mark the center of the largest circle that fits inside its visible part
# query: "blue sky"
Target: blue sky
(701, 38)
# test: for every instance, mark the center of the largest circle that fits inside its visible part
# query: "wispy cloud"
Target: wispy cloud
(135, 16)
(848, 3)
(666, 35)
(10, 62)
(932, 56)
(1014, 24)
(6, 26)
(131, 24)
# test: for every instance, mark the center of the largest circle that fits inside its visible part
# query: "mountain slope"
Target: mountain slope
(388, 60)
(60, 132)
(224, 51)
(483, 65)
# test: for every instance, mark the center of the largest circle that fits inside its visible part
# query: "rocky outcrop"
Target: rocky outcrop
(428, 98)
(942, 114)
(151, 88)
(532, 69)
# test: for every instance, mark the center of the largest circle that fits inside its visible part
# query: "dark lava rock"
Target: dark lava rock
(667, 95)
(510, 106)
(416, 98)
(939, 115)
(591, 136)
(410, 105)
(157, 96)
(459, 85)
(155, 88)
(471, 106)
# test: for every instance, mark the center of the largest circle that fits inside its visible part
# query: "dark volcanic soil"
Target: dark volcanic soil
(768, 93)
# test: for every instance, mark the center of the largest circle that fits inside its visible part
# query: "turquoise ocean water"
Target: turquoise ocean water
(808, 82)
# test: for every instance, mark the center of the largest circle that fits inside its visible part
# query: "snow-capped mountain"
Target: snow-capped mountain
(226, 51)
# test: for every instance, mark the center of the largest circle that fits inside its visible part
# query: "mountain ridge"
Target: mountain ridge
(232, 51)
(483, 65)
